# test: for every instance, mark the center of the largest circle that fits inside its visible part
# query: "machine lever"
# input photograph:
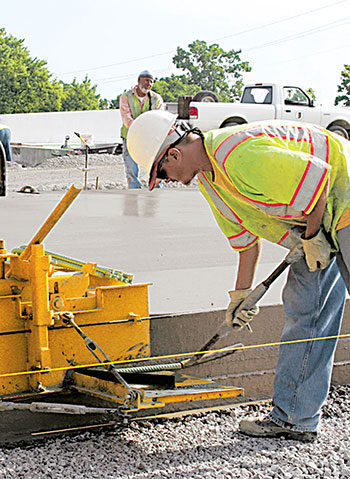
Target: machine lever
(93, 347)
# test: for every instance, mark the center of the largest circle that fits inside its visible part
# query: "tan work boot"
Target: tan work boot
(266, 428)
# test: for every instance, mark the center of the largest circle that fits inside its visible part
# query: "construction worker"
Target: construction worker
(132, 103)
(287, 182)
(5, 137)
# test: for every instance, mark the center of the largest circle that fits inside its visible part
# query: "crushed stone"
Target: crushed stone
(59, 173)
(205, 445)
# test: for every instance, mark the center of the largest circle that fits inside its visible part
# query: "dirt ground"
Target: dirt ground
(58, 174)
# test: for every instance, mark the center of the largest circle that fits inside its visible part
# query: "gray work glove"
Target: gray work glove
(317, 251)
(244, 317)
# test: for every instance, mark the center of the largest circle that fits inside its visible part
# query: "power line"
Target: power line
(227, 36)
(311, 31)
(320, 52)
(282, 20)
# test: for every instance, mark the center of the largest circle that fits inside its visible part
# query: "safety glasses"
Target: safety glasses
(161, 174)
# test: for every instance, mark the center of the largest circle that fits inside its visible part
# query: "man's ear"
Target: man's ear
(174, 153)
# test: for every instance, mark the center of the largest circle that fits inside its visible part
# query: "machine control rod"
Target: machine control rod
(92, 346)
(54, 217)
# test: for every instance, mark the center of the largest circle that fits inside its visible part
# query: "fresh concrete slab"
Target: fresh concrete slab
(168, 237)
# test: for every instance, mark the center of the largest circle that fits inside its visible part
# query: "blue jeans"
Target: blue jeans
(131, 169)
(5, 136)
(313, 305)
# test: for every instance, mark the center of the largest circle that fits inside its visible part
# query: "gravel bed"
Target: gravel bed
(59, 173)
(201, 446)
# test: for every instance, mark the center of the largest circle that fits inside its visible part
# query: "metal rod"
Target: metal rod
(92, 346)
(86, 158)
(54, 217)
(86, 166)
(250, 301)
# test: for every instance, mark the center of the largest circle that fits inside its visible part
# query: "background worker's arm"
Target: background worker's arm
(125, 111)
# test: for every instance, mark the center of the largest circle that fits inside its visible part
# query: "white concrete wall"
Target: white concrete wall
(51, 128)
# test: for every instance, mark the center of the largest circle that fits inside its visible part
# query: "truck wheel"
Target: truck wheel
(229, 123)
(340, 130)
(205, 95)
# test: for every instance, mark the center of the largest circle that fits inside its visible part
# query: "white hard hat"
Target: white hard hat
(149, 136)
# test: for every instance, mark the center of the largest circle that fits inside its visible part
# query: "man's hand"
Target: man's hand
(244, 317)
(317, 251)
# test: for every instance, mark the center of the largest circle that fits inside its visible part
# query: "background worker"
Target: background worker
(5, 138)
(132, 104)
(288, 183)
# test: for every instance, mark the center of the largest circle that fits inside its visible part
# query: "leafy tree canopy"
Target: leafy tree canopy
(344, 88)
(170, 88)
(79, 96)
(26, 85)
(311, 93)
(209, 67)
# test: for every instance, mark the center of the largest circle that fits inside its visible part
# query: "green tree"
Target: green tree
(26, 85)
(103, 104)
(114, 103)
(170, 88)
(211, 68)
(344, 88)
(80, 96)
(25, 82)
(311, 93)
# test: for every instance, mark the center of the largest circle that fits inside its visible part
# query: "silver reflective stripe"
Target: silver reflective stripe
(287, 133)
(153, 100)
(220, 204)
(313, 174)
(279, 211)
(242, 239)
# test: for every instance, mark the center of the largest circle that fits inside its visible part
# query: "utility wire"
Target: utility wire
(282, 20)
(320, 52)
(310, 31)
(228, 36)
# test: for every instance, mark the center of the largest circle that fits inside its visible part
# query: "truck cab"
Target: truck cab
(291, 102)
(267, 101)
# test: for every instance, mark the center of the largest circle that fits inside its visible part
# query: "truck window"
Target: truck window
(295, 96)
(257, 95)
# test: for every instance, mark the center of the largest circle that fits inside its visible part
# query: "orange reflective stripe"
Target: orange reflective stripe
(344, 220)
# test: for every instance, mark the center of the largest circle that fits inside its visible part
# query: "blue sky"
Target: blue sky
(305, 43)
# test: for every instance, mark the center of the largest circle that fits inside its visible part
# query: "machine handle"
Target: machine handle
(54, 217)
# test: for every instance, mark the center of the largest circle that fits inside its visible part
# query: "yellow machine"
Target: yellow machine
(63, 326)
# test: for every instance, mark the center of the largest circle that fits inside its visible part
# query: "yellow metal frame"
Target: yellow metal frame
(33, 336)
(38, 294)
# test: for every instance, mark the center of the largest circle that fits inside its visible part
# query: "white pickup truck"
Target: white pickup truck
(265, 101)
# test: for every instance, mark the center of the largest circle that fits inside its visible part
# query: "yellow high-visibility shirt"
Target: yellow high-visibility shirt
(268, 176)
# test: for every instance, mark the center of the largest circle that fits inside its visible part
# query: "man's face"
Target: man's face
(174, 168)
(145, 84)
